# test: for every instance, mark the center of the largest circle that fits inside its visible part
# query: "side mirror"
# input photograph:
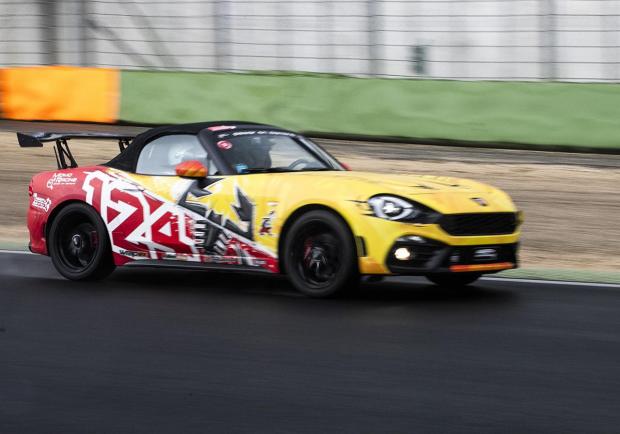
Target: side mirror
(191, 169)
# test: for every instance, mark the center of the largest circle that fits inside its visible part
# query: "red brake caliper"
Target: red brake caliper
(307, 252)
(94, 239)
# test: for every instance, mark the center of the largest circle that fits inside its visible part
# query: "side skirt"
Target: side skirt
(152, 263)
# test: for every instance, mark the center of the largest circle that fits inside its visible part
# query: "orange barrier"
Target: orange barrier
(60, 93)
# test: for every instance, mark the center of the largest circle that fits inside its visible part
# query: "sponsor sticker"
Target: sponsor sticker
(40, 202)
(133, 254)
(244, 133)
(278, 133)
(266, 225)
(221, 127)
(224, 144)
(61, 179)
(486, 254)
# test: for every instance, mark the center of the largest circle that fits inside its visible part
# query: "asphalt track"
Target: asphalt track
(152, 351)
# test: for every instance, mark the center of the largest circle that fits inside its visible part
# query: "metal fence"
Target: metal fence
(573, 40)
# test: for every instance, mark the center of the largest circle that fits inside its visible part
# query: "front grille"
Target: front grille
(497, 223)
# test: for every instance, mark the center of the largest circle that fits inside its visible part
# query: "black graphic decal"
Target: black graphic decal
(210, 232)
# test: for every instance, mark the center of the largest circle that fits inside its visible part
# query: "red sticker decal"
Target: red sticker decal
(224, 144)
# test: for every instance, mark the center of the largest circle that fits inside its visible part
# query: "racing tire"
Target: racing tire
(453, 279)
(320, 255)
(79, 245)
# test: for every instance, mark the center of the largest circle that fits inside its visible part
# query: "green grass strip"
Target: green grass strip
(570, 115)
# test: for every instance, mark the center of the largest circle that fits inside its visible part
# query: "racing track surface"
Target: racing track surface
(151, 351)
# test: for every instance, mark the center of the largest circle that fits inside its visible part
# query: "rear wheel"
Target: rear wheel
(78, 244)
(320, 257)
(453, 279)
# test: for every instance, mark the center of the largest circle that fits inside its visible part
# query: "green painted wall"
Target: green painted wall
(583, 115)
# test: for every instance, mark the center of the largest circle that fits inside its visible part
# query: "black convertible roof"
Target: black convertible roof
(130, 144)
(194, 128)
(127, 158)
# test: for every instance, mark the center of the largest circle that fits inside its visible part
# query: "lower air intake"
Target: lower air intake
(499, 223)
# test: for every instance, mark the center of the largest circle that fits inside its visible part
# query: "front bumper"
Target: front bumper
(379, 237)
(430, 256)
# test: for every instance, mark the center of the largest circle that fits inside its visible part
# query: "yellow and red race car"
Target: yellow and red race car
(246, 196)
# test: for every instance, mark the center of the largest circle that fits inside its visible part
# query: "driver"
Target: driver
(249, 153)
(258, 153)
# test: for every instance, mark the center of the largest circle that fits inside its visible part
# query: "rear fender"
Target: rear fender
(50, 192)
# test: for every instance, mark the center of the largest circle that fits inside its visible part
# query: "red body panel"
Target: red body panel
(48, 191)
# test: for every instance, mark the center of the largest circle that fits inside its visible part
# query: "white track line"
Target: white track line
(492, 279)
(551, 282)
(16, 252)
(535, 281)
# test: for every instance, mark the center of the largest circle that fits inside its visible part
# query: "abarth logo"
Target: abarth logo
(480, 201)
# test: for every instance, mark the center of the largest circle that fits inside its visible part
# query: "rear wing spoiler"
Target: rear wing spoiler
(64, 157)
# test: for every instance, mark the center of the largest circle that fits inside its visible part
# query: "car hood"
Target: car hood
(444, 194)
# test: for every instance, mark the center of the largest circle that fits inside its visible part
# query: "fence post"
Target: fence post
(221, 19)
(328, 39)
(83, 33)
(549, 45)
(48, 12)
(373, 27)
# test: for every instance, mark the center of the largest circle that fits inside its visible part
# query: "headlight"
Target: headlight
(393, 208)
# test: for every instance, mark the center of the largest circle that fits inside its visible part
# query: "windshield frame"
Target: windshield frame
(210, 138)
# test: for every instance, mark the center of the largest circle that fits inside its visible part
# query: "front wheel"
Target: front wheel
(453, 279)
(320, 255)
(78, 244)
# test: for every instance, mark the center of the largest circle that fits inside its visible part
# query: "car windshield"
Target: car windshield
(254, 152)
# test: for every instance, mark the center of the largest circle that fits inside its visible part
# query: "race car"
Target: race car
(252, 197)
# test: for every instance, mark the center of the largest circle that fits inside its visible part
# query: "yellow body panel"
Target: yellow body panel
(276, 196)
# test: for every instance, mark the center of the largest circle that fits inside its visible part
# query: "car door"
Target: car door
(210, 220)
(233, 228)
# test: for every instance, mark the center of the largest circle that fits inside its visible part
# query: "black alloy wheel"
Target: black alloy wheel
(320, 257)
(78, 244)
